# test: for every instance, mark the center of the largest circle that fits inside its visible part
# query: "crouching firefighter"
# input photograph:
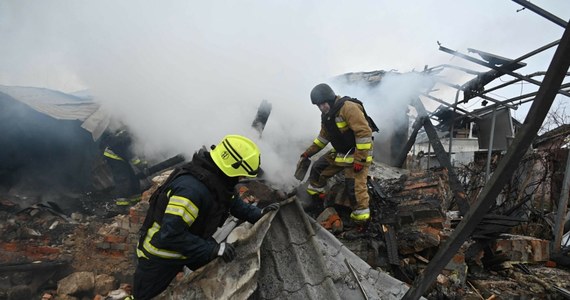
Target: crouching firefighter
(188, 208)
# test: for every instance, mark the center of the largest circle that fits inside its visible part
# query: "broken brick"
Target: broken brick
(115, 238)
(522, 248)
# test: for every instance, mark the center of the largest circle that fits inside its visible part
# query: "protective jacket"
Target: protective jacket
(349, 129)
(187, 209)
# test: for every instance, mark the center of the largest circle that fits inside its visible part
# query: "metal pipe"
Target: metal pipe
(490, 147)
(561, 212)
(534, 52)
(481, 96)
(452, 123)
(351, 269)
(468, 71)
(547, 15)
(517, 80)
(449, 105)
(492, 106)
(511, 82)
(501, 69)
(519, 59)
(429, 149)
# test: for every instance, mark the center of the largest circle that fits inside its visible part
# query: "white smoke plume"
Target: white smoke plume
(182, 74)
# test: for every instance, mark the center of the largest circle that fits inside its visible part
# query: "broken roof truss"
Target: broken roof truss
(542, 100)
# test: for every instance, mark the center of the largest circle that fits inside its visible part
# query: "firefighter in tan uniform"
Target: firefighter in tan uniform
(345, 124)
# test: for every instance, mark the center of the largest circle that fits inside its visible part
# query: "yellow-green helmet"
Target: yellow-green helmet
(236, 156)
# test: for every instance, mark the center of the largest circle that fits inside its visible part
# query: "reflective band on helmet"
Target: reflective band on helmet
(239, 160)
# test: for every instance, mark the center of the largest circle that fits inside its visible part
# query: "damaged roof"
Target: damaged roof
(60, 106)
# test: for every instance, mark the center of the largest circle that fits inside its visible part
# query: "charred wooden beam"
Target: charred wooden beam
(536, 115)
(163, 165)
(411, 141)
(443, 158)
(263, 113)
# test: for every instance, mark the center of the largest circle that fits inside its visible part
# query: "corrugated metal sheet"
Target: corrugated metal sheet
(292, 264)
(60, 106)
(298, 259)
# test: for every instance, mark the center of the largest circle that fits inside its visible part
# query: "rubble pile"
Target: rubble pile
(497, 260)
(45, 251)
(45, 248)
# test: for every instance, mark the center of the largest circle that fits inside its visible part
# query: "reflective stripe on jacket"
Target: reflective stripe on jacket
(350, 120)
(111, 154)
(191, 215)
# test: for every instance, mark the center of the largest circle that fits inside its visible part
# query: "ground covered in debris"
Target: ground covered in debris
(410, 222)
(40, 246)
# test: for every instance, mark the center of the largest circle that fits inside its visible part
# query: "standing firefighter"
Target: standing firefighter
(345, 124)
(188, 208)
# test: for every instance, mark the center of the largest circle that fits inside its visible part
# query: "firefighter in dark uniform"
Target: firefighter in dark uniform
(188, 208)
(122, 162)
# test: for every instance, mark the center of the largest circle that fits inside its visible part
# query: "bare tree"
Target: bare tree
(557, 116)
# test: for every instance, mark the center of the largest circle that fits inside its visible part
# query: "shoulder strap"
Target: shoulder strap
(340, 102)
(337, 106)
(151, 214)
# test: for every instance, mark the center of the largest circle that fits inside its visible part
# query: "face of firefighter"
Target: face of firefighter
(324, 107)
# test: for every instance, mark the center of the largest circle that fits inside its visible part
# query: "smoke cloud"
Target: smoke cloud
(182, 74)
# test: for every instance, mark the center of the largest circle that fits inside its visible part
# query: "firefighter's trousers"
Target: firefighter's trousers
(355, 182)
(152, 278)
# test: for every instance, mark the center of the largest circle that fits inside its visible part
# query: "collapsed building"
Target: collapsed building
(60, 149)
(473, 221)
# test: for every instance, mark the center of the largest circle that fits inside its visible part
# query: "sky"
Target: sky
(183, 74)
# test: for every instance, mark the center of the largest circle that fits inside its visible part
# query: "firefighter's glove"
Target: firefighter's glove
(358, 167)
(302, 160)
(226, 251)
(302, 166)
(270, 207)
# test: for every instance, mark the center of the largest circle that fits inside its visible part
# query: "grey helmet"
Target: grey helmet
(321, 93)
